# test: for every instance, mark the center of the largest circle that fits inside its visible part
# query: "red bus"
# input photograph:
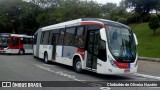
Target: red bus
(15, 43)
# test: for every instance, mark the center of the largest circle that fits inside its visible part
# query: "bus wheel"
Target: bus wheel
(46, 58)
(77, 65)
(21, 52)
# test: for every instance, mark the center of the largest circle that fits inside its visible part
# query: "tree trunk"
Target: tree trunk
(154, 31)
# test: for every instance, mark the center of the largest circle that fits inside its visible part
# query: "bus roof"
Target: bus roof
(107, 22)
(21, 35)
(5, 34)
(78, 21)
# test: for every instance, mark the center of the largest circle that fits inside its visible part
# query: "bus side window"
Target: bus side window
(30, 41)
(45, 38)
(102, 50)
(61, 35)
(42, 37)
(23, 40)
(50, 37)
(80, 37)
(14, 41)
(69, 36)
(35, 39)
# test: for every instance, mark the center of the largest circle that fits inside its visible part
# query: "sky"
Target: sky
(106, 1)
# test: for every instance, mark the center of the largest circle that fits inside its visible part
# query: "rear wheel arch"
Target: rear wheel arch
(46, 57)
(21, 51)
(76, 60)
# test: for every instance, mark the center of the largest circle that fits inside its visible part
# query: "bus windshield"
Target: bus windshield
(4, 41)
(121, 44)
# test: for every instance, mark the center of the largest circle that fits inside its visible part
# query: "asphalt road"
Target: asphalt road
(27, 68)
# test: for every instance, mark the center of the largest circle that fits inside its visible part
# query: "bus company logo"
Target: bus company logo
(6, 84)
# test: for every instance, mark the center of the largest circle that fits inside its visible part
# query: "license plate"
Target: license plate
(126, 70)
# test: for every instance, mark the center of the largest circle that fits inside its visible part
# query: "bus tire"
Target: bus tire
(77, 66)
(21, 52)
(34, 56)
(46, 58)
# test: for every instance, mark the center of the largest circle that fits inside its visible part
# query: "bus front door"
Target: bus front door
(54, 43)
(14, 43)
(92, 48)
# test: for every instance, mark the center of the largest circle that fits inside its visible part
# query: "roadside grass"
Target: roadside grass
(148, 43)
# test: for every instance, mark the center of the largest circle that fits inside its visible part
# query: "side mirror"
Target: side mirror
(135, 38)
(103, 34)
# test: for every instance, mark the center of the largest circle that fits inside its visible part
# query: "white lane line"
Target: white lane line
(155, 87)
(58, 68)
(70, 77)
(105, 88)
(147, 76)
(59, 73)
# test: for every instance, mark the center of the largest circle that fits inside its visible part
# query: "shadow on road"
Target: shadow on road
(15, 54)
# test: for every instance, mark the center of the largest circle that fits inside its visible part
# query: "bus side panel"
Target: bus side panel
(49, 51)
(65, 55)
(38, 44)
(28, 48)
(69, 51)
(41, 51)
(34, 50)
(45, 48)
(13, 51)
(14, 48)
(59, 51)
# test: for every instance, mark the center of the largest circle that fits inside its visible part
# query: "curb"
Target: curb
(149, 59)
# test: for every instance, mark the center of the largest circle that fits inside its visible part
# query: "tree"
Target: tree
(157, 7)
(46, 3)
(142, 7)
(73, 9)
(154, 23)
(107, 9)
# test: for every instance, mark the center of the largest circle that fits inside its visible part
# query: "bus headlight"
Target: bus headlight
(112, 61)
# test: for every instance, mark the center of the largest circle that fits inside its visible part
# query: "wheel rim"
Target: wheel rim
(78, 65)
(21, 52)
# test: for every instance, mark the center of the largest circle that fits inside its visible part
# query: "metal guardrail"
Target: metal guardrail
(149, 59)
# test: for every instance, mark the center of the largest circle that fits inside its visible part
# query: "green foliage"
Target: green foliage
(122, 20)
(26, 17)
(113, 12)
(158, 15)
(148, 44)
(142, 7)
(154, 23)
(134, 18)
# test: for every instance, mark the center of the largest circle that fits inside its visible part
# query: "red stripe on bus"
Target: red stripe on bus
(81, 52)
(122, 65)
(90, 23)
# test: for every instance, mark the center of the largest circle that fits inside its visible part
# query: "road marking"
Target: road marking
(71, 77)
(59, 73)
(154, 87)
(61, 69)
(147, 76)
(105, 88)
(95, 84)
